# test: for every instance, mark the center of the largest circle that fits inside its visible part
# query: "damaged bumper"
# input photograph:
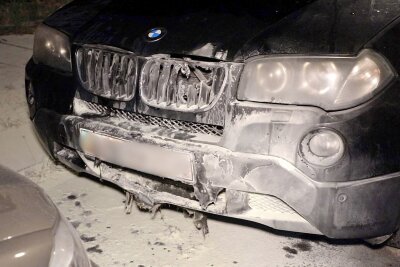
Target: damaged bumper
(261, 188)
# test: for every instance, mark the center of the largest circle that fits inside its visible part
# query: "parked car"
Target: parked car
(284, 113)
(32, 230)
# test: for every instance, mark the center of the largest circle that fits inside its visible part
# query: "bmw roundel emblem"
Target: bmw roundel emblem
(155, 34)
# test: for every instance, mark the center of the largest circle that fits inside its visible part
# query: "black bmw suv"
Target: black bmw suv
(285, 113)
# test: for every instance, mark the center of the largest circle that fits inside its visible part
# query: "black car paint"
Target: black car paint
(309, 27)
(239, 29)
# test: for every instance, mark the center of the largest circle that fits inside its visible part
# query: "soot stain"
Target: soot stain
(303, 246)
(95, 249)
(72, 197)
(289, 256)
(88, 238)
(290, 250)
(75, 224)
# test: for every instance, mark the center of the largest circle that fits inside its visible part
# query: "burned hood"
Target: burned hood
(227, 30)
(24, 208)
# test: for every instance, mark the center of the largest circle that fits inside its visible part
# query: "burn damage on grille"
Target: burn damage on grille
(182, 89)
(182, 85)
(110, 74)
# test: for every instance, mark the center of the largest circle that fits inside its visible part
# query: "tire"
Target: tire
(394, 241)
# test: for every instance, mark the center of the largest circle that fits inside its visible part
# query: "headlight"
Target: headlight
(331, 83)
(67, 249)
(52, 48)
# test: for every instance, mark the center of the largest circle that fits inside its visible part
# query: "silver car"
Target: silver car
(32, 230)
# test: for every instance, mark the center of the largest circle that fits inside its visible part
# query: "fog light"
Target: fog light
(322, 147)
(325, 144)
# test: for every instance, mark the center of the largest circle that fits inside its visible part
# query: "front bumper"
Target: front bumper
(260, 188)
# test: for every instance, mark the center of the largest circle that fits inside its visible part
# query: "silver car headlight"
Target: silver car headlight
(52, 48)
(67, 249)
(332, 83)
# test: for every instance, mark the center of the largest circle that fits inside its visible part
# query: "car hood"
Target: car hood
(228, 30)
(24, 208)
(33, 249)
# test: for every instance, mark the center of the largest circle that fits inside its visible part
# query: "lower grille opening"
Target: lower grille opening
(191, 127)
(268, 203)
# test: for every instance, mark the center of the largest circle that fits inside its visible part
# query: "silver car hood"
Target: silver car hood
(27, 221)
(24, 208)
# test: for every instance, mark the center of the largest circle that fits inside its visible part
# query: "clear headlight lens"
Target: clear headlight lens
(67, 249)
(52, 48)
(331, 83)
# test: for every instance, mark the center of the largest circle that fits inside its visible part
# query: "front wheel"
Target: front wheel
(394, 241)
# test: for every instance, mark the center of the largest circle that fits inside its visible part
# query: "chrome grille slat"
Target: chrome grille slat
(107, 73)
(97, 69)
(154, 76)
(171, 85)
(203, 94)
(163, 83)
(191, 127)
(114, 69)
(89, 67)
